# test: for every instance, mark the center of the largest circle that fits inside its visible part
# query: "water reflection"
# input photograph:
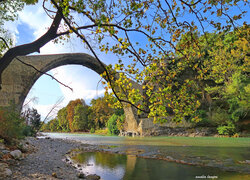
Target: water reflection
(129, 167)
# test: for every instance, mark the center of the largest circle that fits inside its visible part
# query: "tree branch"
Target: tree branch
(30, 47)
(43, 73)
(95, 55)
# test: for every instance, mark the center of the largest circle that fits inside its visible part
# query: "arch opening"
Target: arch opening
(18, 79)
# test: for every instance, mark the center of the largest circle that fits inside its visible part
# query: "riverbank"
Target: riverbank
(46, 162)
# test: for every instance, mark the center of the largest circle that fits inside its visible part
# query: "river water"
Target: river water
(218, 158)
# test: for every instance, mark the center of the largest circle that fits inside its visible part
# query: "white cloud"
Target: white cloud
(83, 82)
(36, 18)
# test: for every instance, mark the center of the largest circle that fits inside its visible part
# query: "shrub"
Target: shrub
(112, 124)
(92, 130)
(228, 129)
(11, 124)
(28, 131)
(220, 116)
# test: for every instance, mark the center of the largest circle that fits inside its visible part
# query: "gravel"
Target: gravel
(46, 162)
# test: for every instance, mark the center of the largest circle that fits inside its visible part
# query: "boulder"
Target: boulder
(4, 170)
(93, 177)
(16, 154)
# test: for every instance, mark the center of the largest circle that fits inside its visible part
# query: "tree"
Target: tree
(8, 12)
(32, 118)
(11, 124)
(81, 121)
(101, 111)
(114, 124)
(54, 125)
(62, 119)
(160, 25)
(71, 112)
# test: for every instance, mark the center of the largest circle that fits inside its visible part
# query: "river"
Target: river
(183, 157)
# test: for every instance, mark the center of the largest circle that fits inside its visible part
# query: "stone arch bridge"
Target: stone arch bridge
(17, 80)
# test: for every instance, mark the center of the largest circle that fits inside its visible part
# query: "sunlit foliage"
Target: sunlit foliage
(165, 46)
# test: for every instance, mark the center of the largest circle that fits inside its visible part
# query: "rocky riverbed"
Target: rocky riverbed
(43, 162)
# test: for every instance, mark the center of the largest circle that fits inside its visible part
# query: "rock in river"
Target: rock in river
(93, 177)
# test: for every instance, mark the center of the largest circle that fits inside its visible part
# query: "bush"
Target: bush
(205, 121)
(92, 130)
(228, 129)
(28, 131)
(112, 124)
(11, 124)
(220, 117)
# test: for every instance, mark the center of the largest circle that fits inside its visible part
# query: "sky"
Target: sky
(32, 23)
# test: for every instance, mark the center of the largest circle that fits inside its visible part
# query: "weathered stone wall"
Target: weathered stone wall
(147, 126)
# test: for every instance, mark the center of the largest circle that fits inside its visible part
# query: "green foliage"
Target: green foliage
(33, 121)
(45, 127)
(101, 131)
(220, 116)
(237, 94)
(83, 117)
(8, 12)
(28, 131)
(81, 121)
(113, 125)
(62, 119)
(101, 112)
(228, 129)
(54, 125)
(28, 2)
(92, 130)
(12, 125)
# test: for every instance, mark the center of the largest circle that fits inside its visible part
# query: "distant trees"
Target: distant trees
(81, 120)
(101, 111)
(62, 119)
(78, 117)
(32, 118)
(71, 111)
(54, 125)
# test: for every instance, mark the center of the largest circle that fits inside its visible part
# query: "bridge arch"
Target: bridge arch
(17, 78)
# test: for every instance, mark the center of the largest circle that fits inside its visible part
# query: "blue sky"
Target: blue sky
(32, 23)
